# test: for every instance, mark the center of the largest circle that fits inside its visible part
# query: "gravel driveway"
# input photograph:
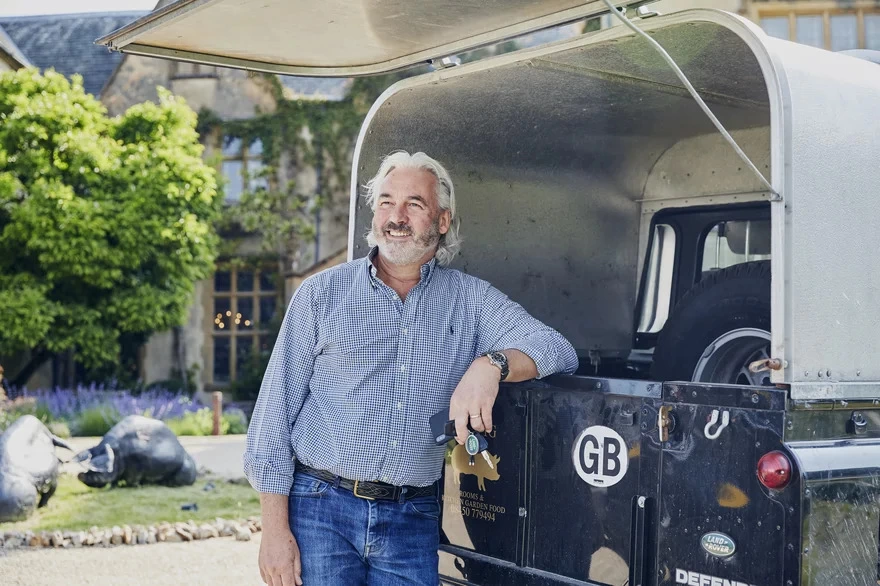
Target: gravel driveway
(196, 563)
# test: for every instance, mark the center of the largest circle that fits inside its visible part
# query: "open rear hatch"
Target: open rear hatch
(336, 37)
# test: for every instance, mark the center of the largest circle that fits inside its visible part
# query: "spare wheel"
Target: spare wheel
(720, 326)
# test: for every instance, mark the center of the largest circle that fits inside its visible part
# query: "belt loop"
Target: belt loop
(336, 482)
(402, 498)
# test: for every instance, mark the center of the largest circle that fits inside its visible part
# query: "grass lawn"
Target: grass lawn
(75, 506)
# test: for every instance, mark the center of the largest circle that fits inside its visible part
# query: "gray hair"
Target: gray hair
(445, 192)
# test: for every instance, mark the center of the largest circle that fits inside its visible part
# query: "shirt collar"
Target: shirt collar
(426, 269)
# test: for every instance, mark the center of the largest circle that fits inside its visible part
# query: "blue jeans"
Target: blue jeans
(348, 541)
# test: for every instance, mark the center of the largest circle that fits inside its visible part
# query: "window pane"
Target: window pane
(244, 317)
(255, 178)
(222, 281)
(222, 313)
(245, 280)
(244, 349)
(234, 182)
(732, 243)
(267, 281)
(221, 358)
(232, 147)
(265, 344)
(810, 30)
(843, 32)
(267, 309)
(255, 149)
(872, 31)
(776, 26)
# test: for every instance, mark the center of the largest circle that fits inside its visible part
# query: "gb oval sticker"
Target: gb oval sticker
(599, 456)
(718, 544)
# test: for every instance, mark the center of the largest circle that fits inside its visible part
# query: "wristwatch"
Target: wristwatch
(500, 360)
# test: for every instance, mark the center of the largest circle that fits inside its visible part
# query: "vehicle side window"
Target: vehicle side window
(658, 284)
(735, 242)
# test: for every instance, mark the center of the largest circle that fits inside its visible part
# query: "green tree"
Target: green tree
(105, 224)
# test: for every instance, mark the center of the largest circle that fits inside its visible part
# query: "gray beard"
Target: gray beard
(405, 253)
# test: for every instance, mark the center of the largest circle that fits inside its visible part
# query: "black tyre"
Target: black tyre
(719, 327)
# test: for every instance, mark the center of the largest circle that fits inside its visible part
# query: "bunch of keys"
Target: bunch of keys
(474, 444)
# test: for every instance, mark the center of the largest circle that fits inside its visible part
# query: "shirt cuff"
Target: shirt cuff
(267, 476)
(548, 357)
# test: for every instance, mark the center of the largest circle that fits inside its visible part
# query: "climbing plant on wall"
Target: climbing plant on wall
(296, 134)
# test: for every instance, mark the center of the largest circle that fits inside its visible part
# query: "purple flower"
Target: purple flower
(67, 404)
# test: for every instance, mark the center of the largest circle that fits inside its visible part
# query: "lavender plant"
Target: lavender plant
(92, 410)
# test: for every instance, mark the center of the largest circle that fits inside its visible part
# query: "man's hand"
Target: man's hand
(474, 397)
(280, 562)
(279, 559)
(475, 394)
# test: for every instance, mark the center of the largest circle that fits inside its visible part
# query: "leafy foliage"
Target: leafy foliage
(199, 422)
(105, 224)
(95, 421)
(319, 134)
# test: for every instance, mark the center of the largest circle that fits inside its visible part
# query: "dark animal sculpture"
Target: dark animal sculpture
(137, 450)
(28, 468)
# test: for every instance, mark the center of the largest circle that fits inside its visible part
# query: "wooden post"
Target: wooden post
(218, 411)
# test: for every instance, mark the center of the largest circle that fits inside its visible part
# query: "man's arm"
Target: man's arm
(268, 457)
(533, 350)
(478, 388)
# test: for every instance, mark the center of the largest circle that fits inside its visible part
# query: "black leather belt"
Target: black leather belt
(371, 491)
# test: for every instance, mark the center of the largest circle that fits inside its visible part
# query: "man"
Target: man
(340, 446)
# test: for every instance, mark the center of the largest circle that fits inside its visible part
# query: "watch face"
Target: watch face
(499, 360)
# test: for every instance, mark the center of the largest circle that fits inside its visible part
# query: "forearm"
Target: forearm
(274, 512)
(520, 364)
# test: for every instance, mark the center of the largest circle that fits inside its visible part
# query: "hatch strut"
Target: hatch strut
(690, 88)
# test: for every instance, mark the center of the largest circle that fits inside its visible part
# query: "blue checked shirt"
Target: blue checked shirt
(356, 373)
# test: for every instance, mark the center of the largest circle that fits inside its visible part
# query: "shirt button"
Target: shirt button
(403, 331)
(386, 479)
(400, 404)
(393, 443)
(403, 368)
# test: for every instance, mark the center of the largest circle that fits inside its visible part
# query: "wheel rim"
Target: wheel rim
(727, 359)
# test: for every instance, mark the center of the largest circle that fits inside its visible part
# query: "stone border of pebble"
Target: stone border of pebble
(133, 535)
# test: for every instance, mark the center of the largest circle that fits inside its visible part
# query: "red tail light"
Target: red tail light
(774, 470)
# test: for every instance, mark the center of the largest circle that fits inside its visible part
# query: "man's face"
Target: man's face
(408, 222)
